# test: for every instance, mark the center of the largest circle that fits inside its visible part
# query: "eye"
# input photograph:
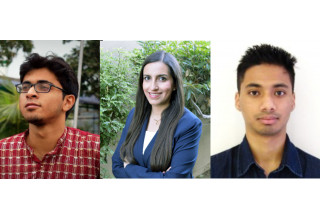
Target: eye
(25, 87)
(43, 86)
(280, 93)
(163, 78)
(146, 78)
(254, 93)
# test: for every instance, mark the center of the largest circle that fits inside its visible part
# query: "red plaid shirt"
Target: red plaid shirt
(76, 156)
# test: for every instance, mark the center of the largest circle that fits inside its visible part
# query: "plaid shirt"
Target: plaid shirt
(76, 156)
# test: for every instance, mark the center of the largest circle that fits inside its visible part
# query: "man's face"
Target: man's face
(42, 108)
(265, 100)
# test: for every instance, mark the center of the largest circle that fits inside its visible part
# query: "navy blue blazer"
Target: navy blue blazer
(184, 150)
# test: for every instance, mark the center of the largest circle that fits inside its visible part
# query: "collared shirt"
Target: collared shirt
(76, 156)
(238, 162)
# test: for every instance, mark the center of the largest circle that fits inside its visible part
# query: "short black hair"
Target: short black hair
(266, 54)
(58, 67)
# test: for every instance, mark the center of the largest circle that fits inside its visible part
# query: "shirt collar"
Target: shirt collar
(290, 158)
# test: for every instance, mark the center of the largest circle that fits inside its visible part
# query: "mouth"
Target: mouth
(268, 119)
(30, 106)
(154, 95)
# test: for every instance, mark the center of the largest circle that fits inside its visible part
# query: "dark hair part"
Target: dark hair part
(266, 54)
(161, 154)
(58, 67)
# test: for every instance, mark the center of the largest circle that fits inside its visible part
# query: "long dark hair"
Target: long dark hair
(161, 154)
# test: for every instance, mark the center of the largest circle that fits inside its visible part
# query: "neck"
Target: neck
(267, 150)
(156, 111)
(43, 139)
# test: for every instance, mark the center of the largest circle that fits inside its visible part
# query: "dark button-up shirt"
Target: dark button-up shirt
(238, 162)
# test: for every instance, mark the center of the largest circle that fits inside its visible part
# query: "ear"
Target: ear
(293, 101)
(68, 102)
(237, 101)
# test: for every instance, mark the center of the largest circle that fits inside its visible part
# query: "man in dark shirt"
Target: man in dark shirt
(265, 97)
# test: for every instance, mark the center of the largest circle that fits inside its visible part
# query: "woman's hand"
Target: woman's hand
(166, 170)
(125, 163)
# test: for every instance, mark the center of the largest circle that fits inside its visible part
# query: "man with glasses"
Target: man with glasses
(49, 149)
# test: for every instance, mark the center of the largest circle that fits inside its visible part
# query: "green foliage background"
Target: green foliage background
(117, 78)
(9, 49)
(90, 66)
(119, 73)
(11, 120)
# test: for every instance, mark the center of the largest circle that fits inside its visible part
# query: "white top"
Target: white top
(147, 138)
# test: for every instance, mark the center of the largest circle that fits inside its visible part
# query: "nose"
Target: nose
(32, 92)
(268, 104)
(154, 85)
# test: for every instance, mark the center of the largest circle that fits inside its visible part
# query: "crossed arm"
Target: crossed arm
(184, 156)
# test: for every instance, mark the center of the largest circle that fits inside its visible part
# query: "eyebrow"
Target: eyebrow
(39, 81)
(278, 85)
(281, 85)
(256, 85)
(162, 74)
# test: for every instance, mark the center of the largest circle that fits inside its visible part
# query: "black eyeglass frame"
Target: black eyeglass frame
(34, 85)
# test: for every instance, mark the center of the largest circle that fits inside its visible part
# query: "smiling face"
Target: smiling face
(43, 108)
(266, 100)
(157, 84)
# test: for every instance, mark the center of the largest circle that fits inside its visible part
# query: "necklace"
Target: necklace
(157, 121)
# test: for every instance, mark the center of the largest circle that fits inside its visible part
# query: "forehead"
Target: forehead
(36, 75)
(156, 68)
(266, 75)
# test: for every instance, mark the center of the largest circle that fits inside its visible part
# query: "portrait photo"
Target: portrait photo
(281, 99)
(155, 109)
(49, 109)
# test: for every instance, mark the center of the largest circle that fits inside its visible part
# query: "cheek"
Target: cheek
(22, 101)
(247, 106)
(144, 86)
(289, 108)
(168, 86)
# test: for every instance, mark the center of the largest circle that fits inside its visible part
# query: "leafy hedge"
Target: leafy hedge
(117, 80)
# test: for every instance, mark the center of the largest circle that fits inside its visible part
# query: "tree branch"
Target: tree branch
(199, 110)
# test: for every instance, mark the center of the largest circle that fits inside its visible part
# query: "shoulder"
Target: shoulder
(130, 116)
(89, 139)
(189, 116)
(307, 159)
(15, 138)
(222, 164)
(188, 121)
(131, 113)
(225, 156)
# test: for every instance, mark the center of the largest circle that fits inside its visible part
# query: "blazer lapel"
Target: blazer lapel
(148, 150)
(143, 159)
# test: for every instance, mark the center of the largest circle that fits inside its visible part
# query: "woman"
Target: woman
(161, 137)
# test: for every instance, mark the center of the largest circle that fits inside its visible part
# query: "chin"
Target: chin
(269, 132)
(35, 121)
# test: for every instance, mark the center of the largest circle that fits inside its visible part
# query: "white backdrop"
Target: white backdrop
(228, 127)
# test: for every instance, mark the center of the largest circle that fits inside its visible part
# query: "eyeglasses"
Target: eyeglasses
(40, 87)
